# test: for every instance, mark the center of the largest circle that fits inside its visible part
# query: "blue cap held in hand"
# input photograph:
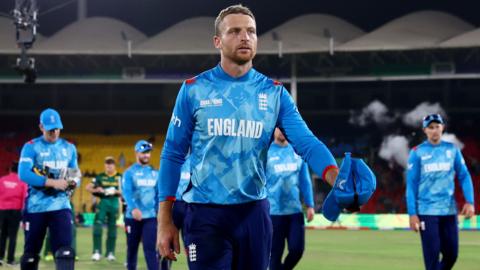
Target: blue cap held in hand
(353, 187)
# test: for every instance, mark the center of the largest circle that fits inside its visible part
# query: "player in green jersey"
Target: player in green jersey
(106, 186)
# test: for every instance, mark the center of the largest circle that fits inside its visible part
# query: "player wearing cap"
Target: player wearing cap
(288, 178)
(106, 186)
(139, 188)
(432, 168)
(48, 164)
(227, 116)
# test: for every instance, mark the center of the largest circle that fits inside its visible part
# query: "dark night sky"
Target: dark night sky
(152, 16)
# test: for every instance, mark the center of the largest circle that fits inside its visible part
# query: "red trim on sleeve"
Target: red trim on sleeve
(171, 198)
(191, 80)
(275, 82)
(415, 148)
(327, 169)
(30, 142)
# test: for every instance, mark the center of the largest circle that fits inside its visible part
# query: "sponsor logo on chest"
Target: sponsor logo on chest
(426, 157)
(214, 102)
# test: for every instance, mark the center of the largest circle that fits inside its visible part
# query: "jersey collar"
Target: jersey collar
(220, 73)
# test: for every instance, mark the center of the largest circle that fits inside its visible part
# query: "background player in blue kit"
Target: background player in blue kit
(227, 116)
(44, 165)
(432, 168)
(287, 178)
(139, 186)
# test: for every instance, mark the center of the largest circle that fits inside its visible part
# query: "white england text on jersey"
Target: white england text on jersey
(234, 127)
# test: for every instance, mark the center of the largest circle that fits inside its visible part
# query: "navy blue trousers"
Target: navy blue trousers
(439, 236)
(59, 222)
(292, 229)
(178, 214)
(145, 231)
(228, 236)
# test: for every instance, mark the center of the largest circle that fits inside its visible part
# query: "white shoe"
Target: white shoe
(96, 256)
(111, 257)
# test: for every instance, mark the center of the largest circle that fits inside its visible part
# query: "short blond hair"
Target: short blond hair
(235, 9)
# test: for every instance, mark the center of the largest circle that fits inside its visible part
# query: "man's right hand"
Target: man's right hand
(98, 190)
(137, 214)
(414, 223)
(167, 234)
(58, 184)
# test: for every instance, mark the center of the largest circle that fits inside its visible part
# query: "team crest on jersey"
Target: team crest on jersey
(64, 152)
(262, 102)
(449, 154)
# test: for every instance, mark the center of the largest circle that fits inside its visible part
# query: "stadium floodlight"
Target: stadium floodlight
(25, 19)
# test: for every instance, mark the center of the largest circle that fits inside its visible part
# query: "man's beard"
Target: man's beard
(241, 60)
(143, 161)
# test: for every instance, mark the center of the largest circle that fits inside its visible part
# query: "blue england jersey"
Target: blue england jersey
(139, 190)
(430, 179)
(184, 180)
(51, 157)
(228, 123)
(287, 178)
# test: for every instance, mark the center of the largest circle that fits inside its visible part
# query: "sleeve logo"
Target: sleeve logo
(175, 120)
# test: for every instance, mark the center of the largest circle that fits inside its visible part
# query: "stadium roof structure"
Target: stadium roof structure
(311, 33)
(191, 36)
(468, 39)
(307, 33)
(95, 35)
(417, 30)
(7, 36)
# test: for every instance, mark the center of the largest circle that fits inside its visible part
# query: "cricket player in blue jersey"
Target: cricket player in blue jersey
(44, 165)
(227, 116)
(287, 178)
(139, 186)
(432, 168)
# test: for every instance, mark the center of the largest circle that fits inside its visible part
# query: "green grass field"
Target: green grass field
(325, 249)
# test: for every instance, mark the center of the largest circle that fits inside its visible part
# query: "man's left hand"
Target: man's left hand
(468, 210)
(310, 214)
